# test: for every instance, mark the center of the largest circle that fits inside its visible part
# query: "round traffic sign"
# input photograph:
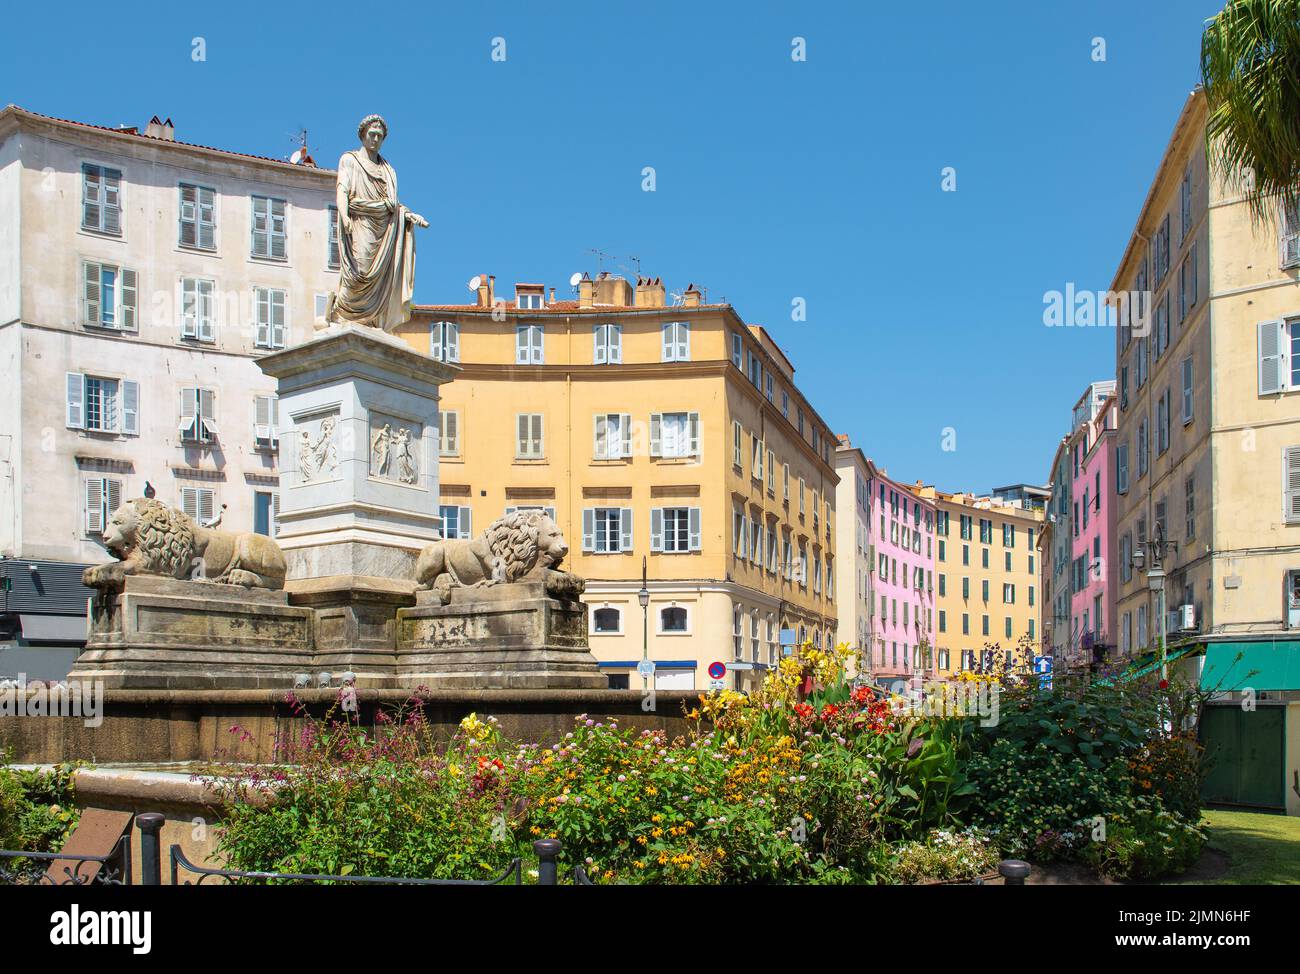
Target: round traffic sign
(717, 670)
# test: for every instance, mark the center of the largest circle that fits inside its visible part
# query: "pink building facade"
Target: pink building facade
(901, 538)
(1093, 566)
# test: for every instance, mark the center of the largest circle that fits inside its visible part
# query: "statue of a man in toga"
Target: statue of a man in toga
(376, 237)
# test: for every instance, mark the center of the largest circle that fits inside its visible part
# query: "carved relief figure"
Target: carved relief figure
(306, 462)
(392, 455)
(522, 546)
(405, 463)
(379, 458)
(376, 237)
(320, 459)
(150, 538)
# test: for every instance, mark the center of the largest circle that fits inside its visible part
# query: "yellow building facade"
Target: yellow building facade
(987, 572)
(669, 435)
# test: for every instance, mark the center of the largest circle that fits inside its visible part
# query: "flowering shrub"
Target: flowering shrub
(36, 808)
(944, 855)
(1145, 841)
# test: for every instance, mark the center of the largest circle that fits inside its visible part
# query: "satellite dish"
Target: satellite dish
(297, 156)
(474, 282)
(573, 281)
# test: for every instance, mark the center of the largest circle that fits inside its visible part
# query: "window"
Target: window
(785, 404)
(1008, 631)
(677, 341)
(101, 199)
(756, 467)
(528, 436)
(1185, 200)
(606, 530)
(266, 513)
(100, 405)
(200, 503)
(737, 456)
(965, 625)
(103, 497)
(674, 530)
(457, 521)
(984, 623)
(1126, 557)
(674, 619)
(801, 497)
(198, 217)
(528, 345)
(1291, 484)
(1161, 333)
(674, 434)
(546, 509)
(1008, 594)
(1187, 390)
(1161, 255)
(198, 309)
(613, 436)
(1143, 446)
(266, 418)
(1279, 356)
(755, 371)
(608, 344)
(984, 590)
(444, 341)
(606, 620)
(1289, 220)
(108, 296)
(448, 433)
(1162, 423)
(737, 350)
(270, 317)
(1189, 508)
(770, 387)
(965, 588)
(1121, 468)
(1142, 352)
(332, 260)
(269, 228)
(530, 300)
(802, 577)
(1187, 285)
(198, 419)
(771, 473)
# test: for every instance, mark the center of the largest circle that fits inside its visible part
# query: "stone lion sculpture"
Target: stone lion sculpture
(522, 546)
(150, 538)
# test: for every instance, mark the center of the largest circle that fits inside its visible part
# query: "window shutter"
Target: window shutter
(113, 496)
(625, 430)
(656, 529)
(207, 412)
(206, 311)
(625, 533)
(452, 341)
(450, 423)
(112, 196)
(188, 397)
(130, 408)
(435, 340)
(1292, 484)
(90, 275)
(693, 524)
(90, 197)
(189, 217)
(260, 247)
(656, 435)
(94, 505)
(277, 319)
(275, 513)
(1187, 389)
(466, 522)
(76, 397)
(207, 219)
(189, 308)
(262, 422)
(693, 434)
(277, 229)
(206, 503)
(537, 337)
(588, 529)
(598, 352)
(521, 345)
(600, 437)
(1272, 357)
(188, 505)
(669, 345)
(262, 297)
(616, 344)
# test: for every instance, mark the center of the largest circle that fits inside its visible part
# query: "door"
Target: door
(1245, 753)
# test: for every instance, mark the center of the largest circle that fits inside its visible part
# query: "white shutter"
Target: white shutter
(669, 346)
(95, 505)
(521, 345)
(693, 434)
(656, 435)
(435, 340)
(127, 298)
(625, 533)
(262, 297)
(1187, 389)
(521, 435)
(625, 431)
(588, 529)
(1291, 484)
(90, 278)
(275, 513)
(616, 344)
(1273, 375)
(189, 502)
(656, 529)
(277, 229)
(187, 424)
(693, 524)
(130, 408)
(207, 313)
(76, 396)
(452, 331)
(189, 308)
(599, 354)
(207, 504)
(450, 423)
(91, 214)
(277, 319)
(262, 418)
(113, 497)
(536, 339)
(112, 195)
(207, 412)
(465, 522)
(600, 438)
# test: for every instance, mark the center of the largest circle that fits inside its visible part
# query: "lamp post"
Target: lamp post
(1156, 584)
(643, 597)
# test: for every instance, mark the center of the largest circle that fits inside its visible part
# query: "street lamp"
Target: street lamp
(643, 597)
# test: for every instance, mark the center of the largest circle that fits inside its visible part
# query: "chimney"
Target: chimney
(154, 129)
(691, 297)
(649, 292)
(552, 295)
(169, 130)
(613, 290)
(486, 290)
(586, 292)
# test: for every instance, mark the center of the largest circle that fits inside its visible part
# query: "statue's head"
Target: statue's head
(372, 131)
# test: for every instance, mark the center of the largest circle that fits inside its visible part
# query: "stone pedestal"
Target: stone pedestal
(511, 636)
(161, 632)
(358, 486)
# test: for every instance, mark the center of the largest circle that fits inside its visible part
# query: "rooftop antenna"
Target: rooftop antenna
(637, 261)
(301, 140)
(600, 259)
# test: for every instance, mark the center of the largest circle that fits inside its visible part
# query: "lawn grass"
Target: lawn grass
(1261, 849)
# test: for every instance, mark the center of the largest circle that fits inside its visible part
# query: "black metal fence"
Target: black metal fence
(114, 869)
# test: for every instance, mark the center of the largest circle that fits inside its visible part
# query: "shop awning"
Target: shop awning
(1269, 664)
(1148, 664)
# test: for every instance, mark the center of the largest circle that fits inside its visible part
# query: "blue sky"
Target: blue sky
(774, 179)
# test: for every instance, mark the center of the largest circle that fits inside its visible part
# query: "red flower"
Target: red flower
(1164, 684)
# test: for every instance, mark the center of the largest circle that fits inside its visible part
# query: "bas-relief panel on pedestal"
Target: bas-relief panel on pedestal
(395, 449)
(318, 449)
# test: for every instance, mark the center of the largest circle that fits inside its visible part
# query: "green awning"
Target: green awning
(1147, 664)
(1270, 664)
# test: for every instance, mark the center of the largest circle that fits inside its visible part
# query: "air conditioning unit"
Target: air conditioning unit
(1181, 619)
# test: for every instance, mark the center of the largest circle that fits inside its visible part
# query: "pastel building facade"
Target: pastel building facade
(1092, 624)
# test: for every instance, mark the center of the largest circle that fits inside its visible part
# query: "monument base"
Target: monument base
(356, 628)
(510, 636)
(161, 632)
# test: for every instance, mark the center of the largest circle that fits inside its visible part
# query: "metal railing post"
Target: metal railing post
(1013, 871)
(150, 824)
(547, 851)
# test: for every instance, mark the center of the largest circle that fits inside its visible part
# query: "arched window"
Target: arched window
(672, 618)
(607, 619)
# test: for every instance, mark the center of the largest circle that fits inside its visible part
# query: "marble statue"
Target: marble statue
(522, 546)
(376, 237)
(150, 538)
